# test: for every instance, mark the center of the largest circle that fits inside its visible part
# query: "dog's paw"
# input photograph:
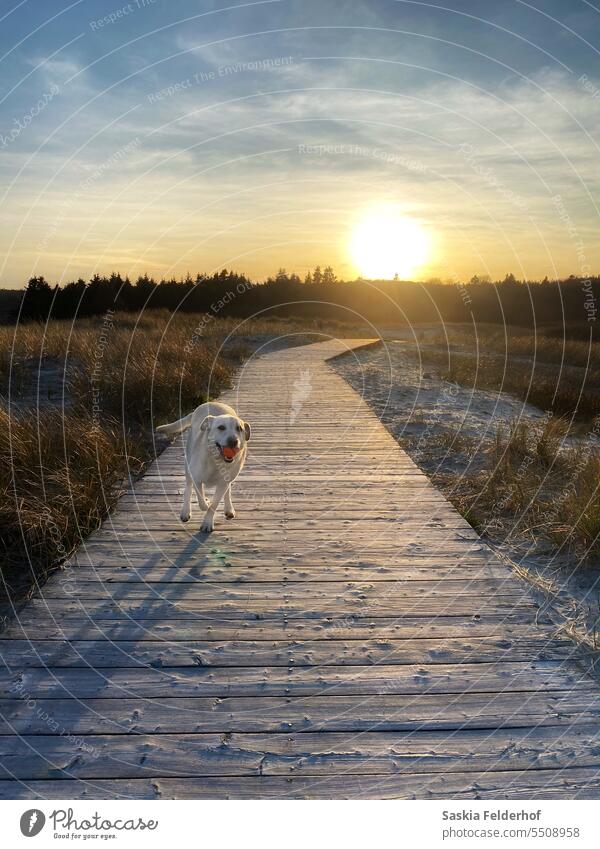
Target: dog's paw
(185, 517)
(207, 527)
(230, 515)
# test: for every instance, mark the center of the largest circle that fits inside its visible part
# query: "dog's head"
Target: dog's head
(227, 433)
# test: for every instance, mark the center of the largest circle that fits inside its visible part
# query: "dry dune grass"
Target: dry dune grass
(63, 464)
(128, 362)
(59, 475)
(543, 484)
(547, 345)
(538, 484)
(556, 374)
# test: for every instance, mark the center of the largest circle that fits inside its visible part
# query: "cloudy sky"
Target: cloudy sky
(182, 135)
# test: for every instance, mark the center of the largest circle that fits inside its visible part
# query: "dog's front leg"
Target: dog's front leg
(187, 497)
(209, 518)
(229, 511)
(201, 496)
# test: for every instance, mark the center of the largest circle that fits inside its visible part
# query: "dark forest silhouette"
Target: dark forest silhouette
(321, 295)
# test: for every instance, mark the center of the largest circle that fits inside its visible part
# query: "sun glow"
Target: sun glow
(385, 244)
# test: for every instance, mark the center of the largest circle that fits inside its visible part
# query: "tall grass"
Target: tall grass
(536, 483)
(561, 376)
(545, 345)
(59, 474)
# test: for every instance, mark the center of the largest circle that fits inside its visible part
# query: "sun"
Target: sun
(386, 243)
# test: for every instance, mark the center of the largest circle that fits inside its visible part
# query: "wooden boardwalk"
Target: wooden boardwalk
(347, 635)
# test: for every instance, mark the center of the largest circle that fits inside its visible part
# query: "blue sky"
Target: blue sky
(174, 136)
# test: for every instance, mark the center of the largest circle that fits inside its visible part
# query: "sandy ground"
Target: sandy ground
(449, 430)
(415, 404)
(36, 383)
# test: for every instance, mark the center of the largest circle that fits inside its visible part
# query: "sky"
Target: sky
(175, 136)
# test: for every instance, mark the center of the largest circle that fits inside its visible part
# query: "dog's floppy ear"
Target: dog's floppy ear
(247, 431)
(205, 424)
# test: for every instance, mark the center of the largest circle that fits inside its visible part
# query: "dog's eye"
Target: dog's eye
(221, 427)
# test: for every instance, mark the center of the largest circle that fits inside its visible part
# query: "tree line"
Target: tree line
(321, 295)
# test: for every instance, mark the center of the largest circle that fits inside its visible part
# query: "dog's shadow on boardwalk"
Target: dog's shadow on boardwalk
(182, 569)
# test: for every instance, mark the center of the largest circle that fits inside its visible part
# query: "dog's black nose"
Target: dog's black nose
(233, 442)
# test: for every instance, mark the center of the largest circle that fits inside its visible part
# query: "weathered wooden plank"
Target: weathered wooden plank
(367, 591)
(574, 783)
(390, 538)
(325, 754)
(249, 521)
(246, 652)
(291, 503)
(79, 681)
(187, 545)
(159, 503)
(153, 607)
(457, 540)
(41, 625)
(395, 478)
(327, 713)
(196, 551)
(167, 571)
(406, 474)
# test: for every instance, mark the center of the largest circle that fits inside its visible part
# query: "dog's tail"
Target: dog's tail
(176, 427)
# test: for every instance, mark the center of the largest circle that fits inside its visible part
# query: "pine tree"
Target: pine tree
(329, 275)
(38, 299)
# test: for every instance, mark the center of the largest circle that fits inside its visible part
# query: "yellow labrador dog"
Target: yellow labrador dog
(215, 453)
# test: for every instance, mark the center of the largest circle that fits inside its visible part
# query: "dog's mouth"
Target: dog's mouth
(227, 453)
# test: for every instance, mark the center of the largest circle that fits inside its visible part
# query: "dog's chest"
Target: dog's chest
(211, 475)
